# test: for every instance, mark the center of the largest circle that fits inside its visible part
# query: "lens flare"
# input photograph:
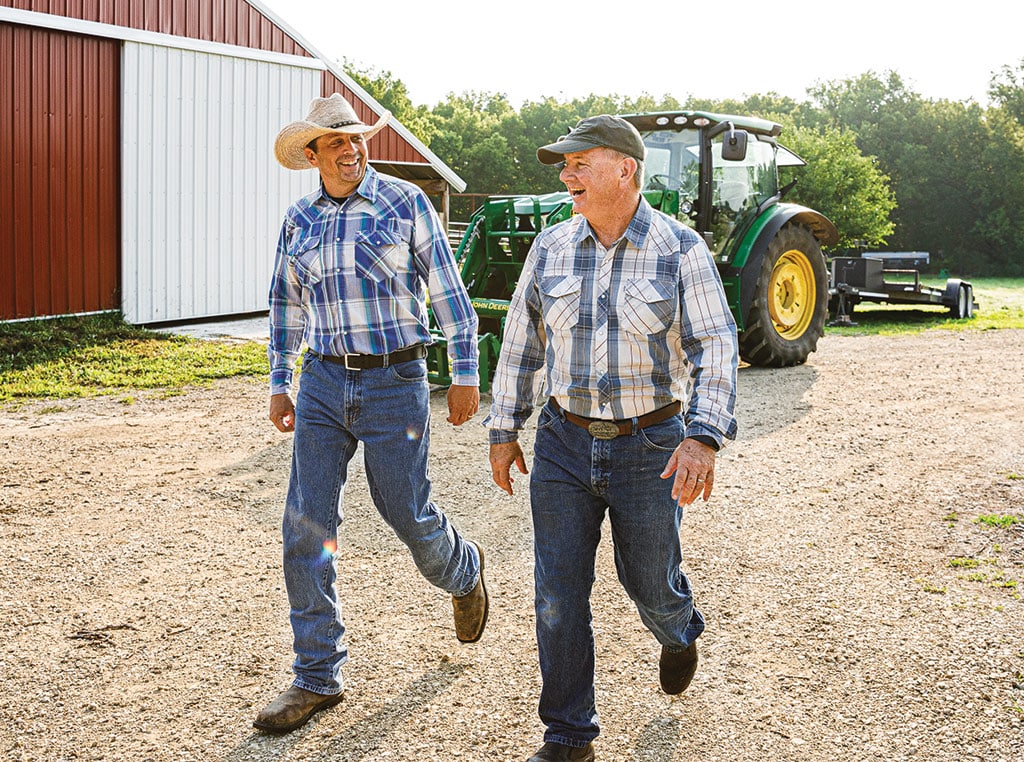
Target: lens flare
(412, 434)
(330, 547)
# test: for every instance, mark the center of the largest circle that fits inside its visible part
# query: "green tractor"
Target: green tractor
(719, 175)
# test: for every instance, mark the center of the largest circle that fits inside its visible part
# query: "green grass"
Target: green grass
(1000, 305)
(964, 563)
(101, 354)
(998, 520)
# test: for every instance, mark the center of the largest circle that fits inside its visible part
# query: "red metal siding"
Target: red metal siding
(233, 22)
(59, 172)
(387, 145)
(60, 142)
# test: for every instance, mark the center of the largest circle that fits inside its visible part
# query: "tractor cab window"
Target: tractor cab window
(673, 164)
(738, 187)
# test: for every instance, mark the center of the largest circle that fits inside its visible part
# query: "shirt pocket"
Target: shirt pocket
(561, 301)
(376, 254)
(647, 308)
(304, 256)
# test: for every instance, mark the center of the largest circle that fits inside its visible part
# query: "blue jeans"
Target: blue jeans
(388, 410)
(576, 479)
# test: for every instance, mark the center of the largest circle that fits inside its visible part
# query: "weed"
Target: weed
(964, 563)
(999, 520)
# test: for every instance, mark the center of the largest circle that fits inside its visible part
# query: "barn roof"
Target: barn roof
(224, 27)
(422, 173)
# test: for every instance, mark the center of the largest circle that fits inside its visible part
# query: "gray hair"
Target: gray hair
(638, 176)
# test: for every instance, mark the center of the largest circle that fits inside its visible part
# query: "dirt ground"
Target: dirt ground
(856, 610)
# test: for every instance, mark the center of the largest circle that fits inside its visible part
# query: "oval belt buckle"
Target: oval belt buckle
(603, 429)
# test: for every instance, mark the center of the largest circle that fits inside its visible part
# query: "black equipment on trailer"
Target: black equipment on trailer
(893, 277)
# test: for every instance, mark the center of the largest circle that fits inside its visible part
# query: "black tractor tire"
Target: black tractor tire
(787, 315)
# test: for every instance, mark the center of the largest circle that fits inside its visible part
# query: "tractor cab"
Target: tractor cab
(723, 170)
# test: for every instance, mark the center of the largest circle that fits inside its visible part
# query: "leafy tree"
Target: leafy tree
(772, 106)
(841, 183)
(392, 93)
(955, 169)
(887, 166)
(1007, 89)
(466, 121)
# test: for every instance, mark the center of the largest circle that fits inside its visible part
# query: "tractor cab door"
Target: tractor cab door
(738, 187)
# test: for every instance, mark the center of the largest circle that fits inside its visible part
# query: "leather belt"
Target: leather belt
(363, 362)
(602, 429)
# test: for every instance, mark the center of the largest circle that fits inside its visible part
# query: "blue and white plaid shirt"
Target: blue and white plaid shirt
(352, 278)
(621, 331)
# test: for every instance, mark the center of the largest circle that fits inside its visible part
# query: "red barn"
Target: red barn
(136, 154)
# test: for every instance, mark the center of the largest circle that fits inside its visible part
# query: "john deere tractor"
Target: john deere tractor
(714, 172)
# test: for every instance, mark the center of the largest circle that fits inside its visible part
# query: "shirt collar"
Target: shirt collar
(636, 230)
(368, 188)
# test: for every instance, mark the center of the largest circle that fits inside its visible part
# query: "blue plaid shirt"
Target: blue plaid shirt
(351, 278)
(621, 331)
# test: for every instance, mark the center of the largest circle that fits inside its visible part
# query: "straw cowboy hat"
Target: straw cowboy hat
(326, 115)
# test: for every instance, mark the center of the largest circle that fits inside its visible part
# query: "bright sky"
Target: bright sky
(941, 50)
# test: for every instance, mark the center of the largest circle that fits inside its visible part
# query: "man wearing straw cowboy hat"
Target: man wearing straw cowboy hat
(354, 261)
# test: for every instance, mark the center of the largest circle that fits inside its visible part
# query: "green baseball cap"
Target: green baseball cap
(599, 131)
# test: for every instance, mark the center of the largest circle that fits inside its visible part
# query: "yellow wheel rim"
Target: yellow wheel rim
(792, 294)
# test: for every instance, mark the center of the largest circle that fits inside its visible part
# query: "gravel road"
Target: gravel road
(856, 607)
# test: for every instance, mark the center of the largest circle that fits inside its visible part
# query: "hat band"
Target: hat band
(343, 124)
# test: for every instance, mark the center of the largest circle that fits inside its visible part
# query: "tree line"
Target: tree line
(892, 170)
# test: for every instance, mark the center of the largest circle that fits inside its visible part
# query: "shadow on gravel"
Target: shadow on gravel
(364, 739)
(770, 399)
(658, 741)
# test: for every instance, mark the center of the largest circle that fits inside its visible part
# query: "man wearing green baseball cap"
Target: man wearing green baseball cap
(621, 307)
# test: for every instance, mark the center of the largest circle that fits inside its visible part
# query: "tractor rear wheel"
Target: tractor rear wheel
(787, 315)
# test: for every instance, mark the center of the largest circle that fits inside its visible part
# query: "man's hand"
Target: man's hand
(282, 412)
(463, 402)
(502, 457)
(694, 466)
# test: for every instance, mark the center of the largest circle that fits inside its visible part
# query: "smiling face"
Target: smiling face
(600, 182)
(341, 159)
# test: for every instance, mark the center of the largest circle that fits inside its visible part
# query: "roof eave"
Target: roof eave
(446, 172)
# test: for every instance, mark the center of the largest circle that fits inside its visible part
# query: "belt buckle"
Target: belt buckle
(603, 429)
(347, 366)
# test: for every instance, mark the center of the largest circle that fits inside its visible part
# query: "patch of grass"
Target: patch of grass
(999, 520)
(101, 354)
(928, 587)
(964, 563)
(1000, 305)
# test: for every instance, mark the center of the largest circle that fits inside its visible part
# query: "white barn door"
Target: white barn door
(202, 195)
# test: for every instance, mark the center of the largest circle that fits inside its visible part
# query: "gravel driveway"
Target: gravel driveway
(856, 607)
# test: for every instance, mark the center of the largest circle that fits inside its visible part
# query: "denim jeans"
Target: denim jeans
(576, 479)
(388, 410)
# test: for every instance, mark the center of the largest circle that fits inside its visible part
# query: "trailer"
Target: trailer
(892, 277)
